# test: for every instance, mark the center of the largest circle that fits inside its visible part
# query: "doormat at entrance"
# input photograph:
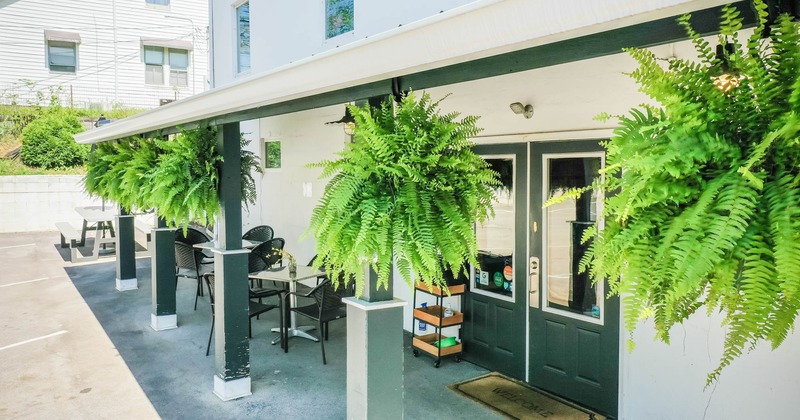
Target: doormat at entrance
(518, 400)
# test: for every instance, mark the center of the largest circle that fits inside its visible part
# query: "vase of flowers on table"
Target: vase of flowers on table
(291, 262)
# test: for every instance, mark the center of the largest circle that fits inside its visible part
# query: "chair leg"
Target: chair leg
(322, 344)
(199, 291)
(208, 347)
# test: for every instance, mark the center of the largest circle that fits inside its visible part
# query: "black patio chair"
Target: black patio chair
(255, 310)
(343, 288)
(187, 264)
(327, 307)
(261, 233)
(258, 261)
(268, 250)
(194, 236)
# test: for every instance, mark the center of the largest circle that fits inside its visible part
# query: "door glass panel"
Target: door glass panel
(495, 275)
(565, 222)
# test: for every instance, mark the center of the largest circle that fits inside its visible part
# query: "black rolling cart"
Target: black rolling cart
(435, 317)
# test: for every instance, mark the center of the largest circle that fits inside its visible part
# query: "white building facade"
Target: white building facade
(537, 73)
(102, 54)
(656, 381)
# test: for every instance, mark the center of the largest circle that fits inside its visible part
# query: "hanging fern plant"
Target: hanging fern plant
(408, 190)
(707, 205)
(178, 178)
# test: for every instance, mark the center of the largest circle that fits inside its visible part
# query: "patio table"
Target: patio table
(103, 219)
(215, 244)
(281, 274)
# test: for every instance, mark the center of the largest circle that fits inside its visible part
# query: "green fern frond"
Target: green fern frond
(706, 210)
(406, 192)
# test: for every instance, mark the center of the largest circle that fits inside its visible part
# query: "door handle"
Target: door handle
(533, 282)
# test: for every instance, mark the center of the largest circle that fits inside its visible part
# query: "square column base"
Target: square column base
(374, 359)
(127, 284)
(233, 389)
(163, 322)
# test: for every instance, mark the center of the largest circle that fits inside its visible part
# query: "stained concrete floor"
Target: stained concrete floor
(110, 364)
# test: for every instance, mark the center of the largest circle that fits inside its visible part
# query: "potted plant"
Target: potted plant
(178, 178)
(706, 210)
(407, 191)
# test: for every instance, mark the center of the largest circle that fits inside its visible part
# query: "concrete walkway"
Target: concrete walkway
(57, 362)
(94, 355)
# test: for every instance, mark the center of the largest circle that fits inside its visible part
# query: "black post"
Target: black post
(126, 252)
(163, 315)
(231, 292)
(229, 225)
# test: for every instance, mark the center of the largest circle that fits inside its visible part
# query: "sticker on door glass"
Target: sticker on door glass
(508, 273)
(498, 279)
(484, 278)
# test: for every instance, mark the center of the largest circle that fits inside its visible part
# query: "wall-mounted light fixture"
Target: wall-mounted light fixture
(726, 79)
(526, 110)
(347, 121)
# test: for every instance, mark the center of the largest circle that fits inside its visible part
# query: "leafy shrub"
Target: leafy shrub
(48, 142)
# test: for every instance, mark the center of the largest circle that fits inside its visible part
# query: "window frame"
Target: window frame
(326, 28)
(62, 68)
(265, 151)
(159, 5)
(152, 66)
(175, 71)
(239, 67)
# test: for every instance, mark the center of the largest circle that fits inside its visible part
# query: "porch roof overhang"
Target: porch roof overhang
(481, 39)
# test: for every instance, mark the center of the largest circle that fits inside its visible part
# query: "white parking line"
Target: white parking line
(23, 282)
(15, 246)
(33, 339)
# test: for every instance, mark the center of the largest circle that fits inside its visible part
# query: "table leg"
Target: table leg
(294, 330)
(83, 233)
(98, 238)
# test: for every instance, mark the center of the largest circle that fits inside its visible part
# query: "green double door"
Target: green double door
(529, 313)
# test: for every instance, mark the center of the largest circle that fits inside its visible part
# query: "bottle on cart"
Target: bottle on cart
(448, 311)
(422, 325)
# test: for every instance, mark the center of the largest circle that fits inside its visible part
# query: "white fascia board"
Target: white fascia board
(477, 30)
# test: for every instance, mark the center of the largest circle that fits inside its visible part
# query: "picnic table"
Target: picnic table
(100, 219)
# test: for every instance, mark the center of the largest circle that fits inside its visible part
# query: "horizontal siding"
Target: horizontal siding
(23, 50)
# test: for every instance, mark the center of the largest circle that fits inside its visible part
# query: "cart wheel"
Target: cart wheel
(458, 359)
(416, 353)
(437, 363)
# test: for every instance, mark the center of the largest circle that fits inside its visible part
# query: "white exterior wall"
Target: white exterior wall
(96, 82)
(37, 202)
(660, 381)
(277, 40)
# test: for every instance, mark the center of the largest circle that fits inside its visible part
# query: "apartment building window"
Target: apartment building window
(158, 2)
(178, 67)
(168, 57)
(62, 51)
(153, 65)
(243, 37)
(339, 17)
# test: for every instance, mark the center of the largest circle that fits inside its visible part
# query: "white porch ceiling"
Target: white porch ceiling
(477, 30)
